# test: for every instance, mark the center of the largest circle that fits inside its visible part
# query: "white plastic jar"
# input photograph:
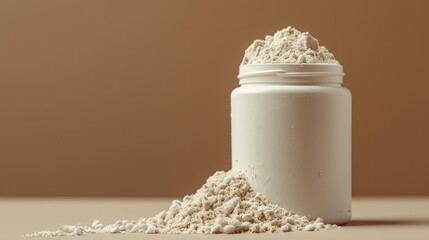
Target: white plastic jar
(291, 135)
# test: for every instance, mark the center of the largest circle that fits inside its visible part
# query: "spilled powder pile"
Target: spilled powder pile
(287, 46)
(224, 204)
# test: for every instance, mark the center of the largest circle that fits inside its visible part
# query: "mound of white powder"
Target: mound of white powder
(287, 46)
(224, 204)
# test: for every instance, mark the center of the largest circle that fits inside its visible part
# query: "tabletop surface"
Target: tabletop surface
(373, 218)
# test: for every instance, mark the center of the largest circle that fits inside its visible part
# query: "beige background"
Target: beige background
(131, 98)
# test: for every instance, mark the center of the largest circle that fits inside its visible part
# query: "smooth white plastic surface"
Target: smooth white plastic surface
(291, 134)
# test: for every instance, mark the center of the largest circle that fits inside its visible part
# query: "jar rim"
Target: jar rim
(294, 72)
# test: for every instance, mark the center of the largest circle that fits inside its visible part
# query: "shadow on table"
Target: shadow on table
(386, 222)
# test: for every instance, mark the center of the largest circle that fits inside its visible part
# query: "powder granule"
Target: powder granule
(224, 204)
(287, 46)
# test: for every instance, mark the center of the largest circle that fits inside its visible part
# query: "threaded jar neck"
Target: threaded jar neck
(292, 74)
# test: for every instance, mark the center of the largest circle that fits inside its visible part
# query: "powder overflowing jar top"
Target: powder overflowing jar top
(288, 45)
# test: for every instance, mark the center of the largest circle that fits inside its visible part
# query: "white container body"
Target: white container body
(293, 141)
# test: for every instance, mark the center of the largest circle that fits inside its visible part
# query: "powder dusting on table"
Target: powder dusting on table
(224, 204)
